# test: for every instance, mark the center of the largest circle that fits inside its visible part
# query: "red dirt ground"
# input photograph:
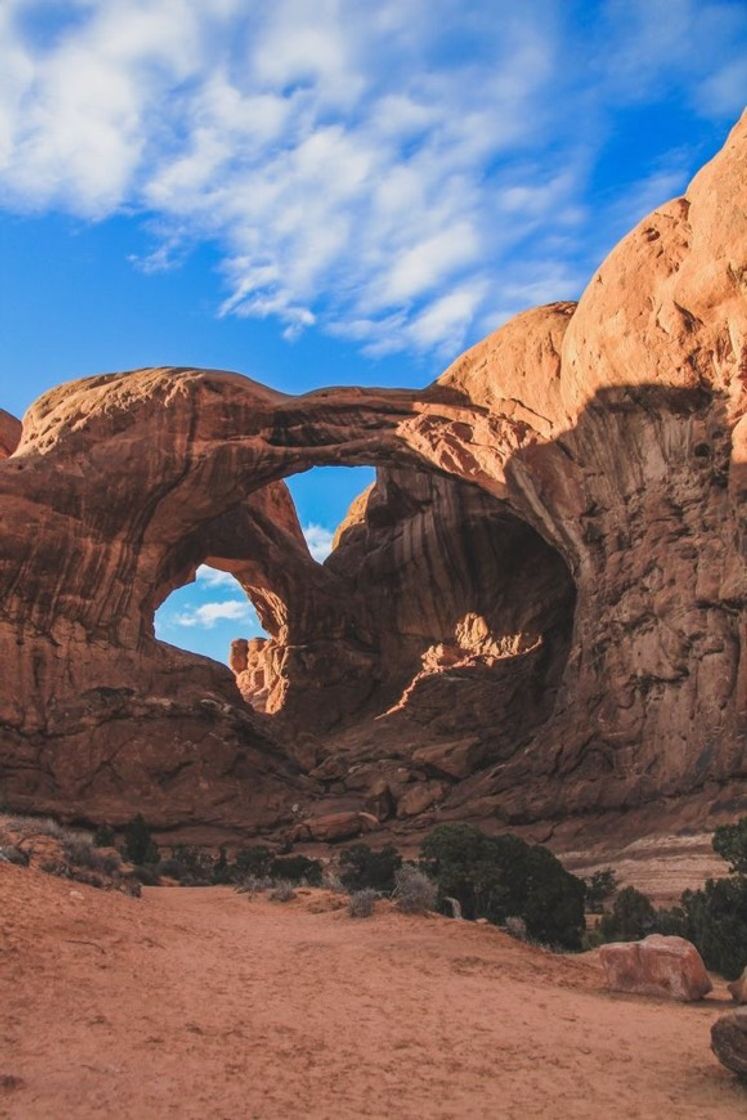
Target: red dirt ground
(200, 1003)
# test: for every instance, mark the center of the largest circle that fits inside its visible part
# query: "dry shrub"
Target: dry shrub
(255, 884)
(11, 854)
(414, 892)
(81, 853)
(282, 892)
(331, 881)
(361, 904)
(42, 826)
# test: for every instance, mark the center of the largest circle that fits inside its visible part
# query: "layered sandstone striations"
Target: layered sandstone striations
(537, 614)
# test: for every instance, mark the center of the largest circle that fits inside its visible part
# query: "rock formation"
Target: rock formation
(10, 433)
(537, 614)
(657, 965)
(729, 1041)
(738, 988)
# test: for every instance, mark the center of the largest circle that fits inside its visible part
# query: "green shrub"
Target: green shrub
(730, 842)
(197, 865)
(632, 917)
(139, 846)
(253, 861)
(715, 920)
(297, 869)
(103, 837)
(362, 867)
(414, 891)
(223, 872)
(170, 868)
(496, 877)
(146, 874)
(599, 887)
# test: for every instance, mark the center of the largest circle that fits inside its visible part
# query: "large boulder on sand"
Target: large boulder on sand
(729, 1040)
(655, 966)
(738, 988)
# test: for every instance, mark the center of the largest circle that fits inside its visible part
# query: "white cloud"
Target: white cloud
(212, 577)
(319, 541)
(724, 93)
(362, 168)
(208, 614)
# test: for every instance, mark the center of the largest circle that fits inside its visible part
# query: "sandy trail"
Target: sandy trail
(199, 1003)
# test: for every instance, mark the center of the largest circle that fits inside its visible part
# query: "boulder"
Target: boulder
(419, 797)
(334, 827)
(738, 988)
(455, 759)
(380, 801)
(729, 1040)
(656, 966)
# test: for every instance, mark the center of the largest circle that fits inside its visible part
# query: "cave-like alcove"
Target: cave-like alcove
(433, 611)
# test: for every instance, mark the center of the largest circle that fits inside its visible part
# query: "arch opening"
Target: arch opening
(203, 616)
(438, 616)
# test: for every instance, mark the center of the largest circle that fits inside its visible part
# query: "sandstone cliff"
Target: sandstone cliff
(537, 614)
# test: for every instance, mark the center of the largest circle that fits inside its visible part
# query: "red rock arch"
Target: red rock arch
(611, 429)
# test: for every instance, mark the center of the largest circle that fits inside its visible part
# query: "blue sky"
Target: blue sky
(328, 192)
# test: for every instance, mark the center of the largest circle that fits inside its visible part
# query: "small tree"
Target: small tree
(632, 917)
(255, 860)
(715, 920)
(496, 877)
(362, 867)
(730, 842)
(294, 869)
(139, 846)
(221, 869)
(599, 887)
(103, 837)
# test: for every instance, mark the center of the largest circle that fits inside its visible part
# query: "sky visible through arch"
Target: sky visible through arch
(205, 616)
(329, 192)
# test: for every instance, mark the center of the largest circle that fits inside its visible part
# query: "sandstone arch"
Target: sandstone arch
(614, 430)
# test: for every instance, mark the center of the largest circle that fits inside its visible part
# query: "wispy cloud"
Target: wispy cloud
(208, 614)
(385, 172)
(211, 577)
(319, 541)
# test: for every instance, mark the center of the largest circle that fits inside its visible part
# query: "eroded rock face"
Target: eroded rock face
(729, 1041)
(10, 433)
(656, 965)
(537, 613)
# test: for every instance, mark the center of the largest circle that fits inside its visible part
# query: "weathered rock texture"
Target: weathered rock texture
(669, 966)
(729, 1041)
(537, 614)
(10, 433)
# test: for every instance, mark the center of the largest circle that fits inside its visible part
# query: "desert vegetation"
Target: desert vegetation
(461, 871)
(499, 877)
(713, 918)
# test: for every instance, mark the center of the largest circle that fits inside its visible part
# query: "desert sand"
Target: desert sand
(200, 1002)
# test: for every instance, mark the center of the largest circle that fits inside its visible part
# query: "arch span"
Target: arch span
(612, 430)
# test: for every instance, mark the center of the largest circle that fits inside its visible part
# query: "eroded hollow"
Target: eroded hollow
(439, 614)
